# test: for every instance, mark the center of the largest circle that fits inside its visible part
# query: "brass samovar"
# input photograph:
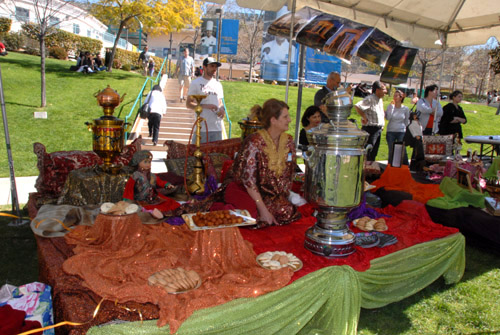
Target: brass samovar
(108, 130)
(334, 177)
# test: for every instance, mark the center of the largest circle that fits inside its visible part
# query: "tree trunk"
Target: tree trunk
(424, 65)
(251, 66)
(42, 71)
(115, 45)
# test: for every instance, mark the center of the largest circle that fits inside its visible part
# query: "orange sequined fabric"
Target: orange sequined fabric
(117, 254)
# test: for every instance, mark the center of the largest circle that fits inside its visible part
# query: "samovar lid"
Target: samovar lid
(340, 97)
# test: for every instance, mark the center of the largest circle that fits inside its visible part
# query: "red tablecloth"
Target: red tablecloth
(409, 222)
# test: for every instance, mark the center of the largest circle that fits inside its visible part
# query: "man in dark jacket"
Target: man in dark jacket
(332, 84)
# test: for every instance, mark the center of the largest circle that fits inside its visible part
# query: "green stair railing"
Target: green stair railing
(133, 114)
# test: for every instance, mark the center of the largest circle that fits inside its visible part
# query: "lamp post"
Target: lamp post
(219, 36)
(170, 55)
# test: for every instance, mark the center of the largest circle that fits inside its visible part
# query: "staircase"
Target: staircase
(175, 125)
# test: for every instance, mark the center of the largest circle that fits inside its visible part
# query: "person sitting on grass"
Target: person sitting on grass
(3, 51)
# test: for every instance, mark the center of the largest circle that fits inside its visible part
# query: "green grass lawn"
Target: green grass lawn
(71, 103)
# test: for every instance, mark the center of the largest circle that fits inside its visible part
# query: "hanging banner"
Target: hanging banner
(347, 39)
(318, 65)
(229, 38)
(318, 31)
(281, 26)
(398, 66)
(377, 47)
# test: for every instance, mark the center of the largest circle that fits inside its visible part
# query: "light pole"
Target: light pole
(170, 55)
(219, 36)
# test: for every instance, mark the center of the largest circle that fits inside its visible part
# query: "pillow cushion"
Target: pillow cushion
(54, 167)
(213, 163)
(228, 147)
(437, 146)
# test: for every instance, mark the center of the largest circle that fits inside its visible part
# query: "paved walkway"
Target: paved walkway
(26, 185)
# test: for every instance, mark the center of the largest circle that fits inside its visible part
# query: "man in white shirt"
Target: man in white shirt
(213, 107)
(371, 110)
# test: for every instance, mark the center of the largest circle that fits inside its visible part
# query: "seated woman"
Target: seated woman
(145, 188)
(264, 168)
(310, 119)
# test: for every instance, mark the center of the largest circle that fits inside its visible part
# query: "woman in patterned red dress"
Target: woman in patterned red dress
(265, 166)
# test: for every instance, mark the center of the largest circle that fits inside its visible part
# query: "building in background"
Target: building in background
(70, 18)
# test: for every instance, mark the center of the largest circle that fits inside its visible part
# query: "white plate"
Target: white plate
(296, 268)
(247, 220)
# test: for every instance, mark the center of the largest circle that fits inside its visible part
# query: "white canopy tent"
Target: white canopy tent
(420, 23)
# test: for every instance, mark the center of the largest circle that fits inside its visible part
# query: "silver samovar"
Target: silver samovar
(334, 177)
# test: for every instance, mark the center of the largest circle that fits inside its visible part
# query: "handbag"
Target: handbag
(145, 109)
(408, 139)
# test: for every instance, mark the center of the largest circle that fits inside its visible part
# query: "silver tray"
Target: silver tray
(247, 220)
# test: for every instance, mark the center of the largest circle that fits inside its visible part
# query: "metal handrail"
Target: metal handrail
(138, 100)
(227, 118)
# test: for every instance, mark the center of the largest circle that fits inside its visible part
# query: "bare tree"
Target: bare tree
(48, 15)
(427, 58)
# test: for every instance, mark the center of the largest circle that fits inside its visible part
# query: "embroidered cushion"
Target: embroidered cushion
(228, 147)
(437, 147)
(54, 167)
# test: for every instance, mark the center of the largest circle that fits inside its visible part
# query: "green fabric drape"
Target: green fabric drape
(494, 167)
(456, 196)
(327, 301)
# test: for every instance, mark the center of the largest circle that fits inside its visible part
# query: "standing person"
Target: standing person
(430, 111)
(398, 116)
(151, 67)
(144, 60)
(371, 110)
(185, 72)
(158, 106)
(310, 119)
(332, 84)
(414, 98)
(453, 116)
(417, 156)
(264, 168)
(213, 107)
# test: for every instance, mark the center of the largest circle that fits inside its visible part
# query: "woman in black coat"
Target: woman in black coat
(453, 116)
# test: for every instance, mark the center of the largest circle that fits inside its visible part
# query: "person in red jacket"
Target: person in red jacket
(3, 51)
(145, 188)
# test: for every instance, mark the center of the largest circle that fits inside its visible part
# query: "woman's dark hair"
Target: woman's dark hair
(429, 88)
(310, 111)
(402, 95)
(455, 93)
(270, 108)
(156, 88)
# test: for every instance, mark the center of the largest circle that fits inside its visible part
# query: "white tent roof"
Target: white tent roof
(419, 22)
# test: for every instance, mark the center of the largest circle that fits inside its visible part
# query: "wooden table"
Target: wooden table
(492, 143)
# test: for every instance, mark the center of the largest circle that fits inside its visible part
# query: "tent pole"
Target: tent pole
(13, 190)
(302, 58)
(290, 51)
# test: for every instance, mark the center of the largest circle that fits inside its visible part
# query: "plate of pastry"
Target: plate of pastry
(275, 260)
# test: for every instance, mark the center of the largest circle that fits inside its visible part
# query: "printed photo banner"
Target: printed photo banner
(398, 67)
(345, 38)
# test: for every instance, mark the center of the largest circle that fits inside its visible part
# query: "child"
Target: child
(151, 67)
(146, 188)
(417, 158)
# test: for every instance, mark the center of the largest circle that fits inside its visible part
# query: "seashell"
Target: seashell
(105, 207)
(132, 208)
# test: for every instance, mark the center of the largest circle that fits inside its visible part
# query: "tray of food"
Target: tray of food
(176, 281)
(219, 219)
(275, 260)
